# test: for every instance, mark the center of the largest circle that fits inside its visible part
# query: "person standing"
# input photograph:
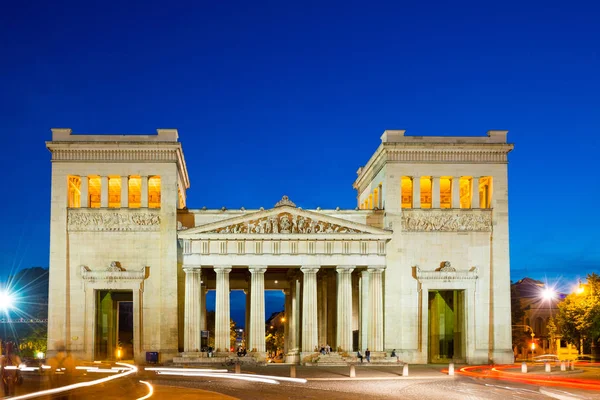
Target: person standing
(368, 355)
(11, 375)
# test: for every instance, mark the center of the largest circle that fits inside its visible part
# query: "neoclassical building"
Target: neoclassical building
(421, 265)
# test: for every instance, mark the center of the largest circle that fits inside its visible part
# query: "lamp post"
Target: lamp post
(532, 337)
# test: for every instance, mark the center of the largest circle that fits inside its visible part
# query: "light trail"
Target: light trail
(185, 369)
(200, 372)
(131, 369)
(150, 391)
(238, 377)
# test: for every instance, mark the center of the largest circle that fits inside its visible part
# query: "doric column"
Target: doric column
(309, 308)
(435, 192)
(85, 188)
(475, 192)
(364, 309)
(344, 307)
(203, 308)
(456, 192)
(104, 191)
(222, 318)
(376, 308)
(322, 307)
(144, 190)
(416, 200)
(293, 318)
(124, 191)
(257, 309)
(193, 304)
(287, 310)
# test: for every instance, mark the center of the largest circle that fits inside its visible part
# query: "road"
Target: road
(423, 383)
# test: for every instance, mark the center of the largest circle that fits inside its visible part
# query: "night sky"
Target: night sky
(274, 98)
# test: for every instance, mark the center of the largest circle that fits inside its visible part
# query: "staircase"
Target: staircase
(330, 360)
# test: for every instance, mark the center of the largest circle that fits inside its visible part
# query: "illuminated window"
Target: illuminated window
(370, 202)
(426, 192)
(406, 184)
(94, 190)
(114, 192)
(74, 191)
(154, 192)
(465, 191)
(485, 192)
(445, 192)
(135, 192)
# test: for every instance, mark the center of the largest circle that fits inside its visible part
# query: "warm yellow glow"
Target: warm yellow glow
(114, 192)
(74, 191)
(94, 190)
(154, 192)
(426, 192)
(532, 346)
(485, 192)
(282, 319)
(119, 353)
(376, 198)
(370, 202)
(135, 192)
(580, 289)
(406, 187)
(465, 191)
(445, 192)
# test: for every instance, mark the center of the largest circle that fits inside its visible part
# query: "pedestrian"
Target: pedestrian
(62, 368)
(11, 375)
(368, 355)
(327, 349)
(359, 356)
(394, 353)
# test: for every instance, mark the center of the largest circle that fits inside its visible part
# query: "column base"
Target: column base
(292, 358)
(503, 357)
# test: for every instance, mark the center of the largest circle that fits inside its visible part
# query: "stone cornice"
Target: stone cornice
(431, 153)
(113, 274)
(155, 152)
(445, 276)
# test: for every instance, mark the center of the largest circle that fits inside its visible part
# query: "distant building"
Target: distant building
(538, 308)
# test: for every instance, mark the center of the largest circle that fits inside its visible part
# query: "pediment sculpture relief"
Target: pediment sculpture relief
(446, 221)
(285, 223)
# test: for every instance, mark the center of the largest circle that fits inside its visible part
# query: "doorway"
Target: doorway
(114, 325)
(446, 326)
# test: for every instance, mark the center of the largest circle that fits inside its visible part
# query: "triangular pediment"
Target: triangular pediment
(283, 220)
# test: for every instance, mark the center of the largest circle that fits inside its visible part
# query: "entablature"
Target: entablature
(113, 220)
(446, 220)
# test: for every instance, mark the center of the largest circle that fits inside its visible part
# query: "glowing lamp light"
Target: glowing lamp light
(532, 346)
(7, 300)
(548, 294)
(40, 355)
(580, 289)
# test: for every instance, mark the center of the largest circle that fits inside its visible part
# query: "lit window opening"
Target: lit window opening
(406, 185)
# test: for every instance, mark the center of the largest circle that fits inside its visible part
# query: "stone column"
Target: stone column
(322, 307)
(144, 191)
(416, 200)
(104, 191)
(287, 304)
(222, 318)
(124, 191)
(247, 318)
(344, 307)
(435, 192)
(293, 317)
(475, 192)
(376, 308)
(309, 309)
(193, 304)
(257, 309)
(364, 310)
(203, 292)
(456, 192)
(85, 189)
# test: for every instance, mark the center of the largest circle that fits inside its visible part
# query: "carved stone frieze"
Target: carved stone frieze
(285, 223)
(113, 220)
(112, 274)
(446, 220)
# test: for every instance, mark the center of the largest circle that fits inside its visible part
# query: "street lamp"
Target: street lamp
(7, 300)
(548, 294)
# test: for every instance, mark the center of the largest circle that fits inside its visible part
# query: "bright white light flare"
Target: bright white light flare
(7, 300)
(548, 294)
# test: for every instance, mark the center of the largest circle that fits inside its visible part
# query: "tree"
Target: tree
(578, 317)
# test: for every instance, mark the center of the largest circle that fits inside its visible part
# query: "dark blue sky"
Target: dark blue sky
(274, 98)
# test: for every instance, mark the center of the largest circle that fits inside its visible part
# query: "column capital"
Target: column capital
(192, 268)
(345, 269)
(224, 269)
(376, 268)
(310, 269)
(257, 269)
